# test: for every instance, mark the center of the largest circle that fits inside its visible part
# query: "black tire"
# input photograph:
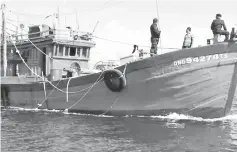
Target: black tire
(114, 80)
(75, 37)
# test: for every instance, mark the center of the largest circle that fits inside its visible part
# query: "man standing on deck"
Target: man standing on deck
(155, 36)
(188, 39)
(217, 25)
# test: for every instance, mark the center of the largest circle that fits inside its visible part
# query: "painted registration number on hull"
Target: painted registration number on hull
(200, 59)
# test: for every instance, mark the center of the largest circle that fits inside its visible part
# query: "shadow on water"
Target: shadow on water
(25, 130)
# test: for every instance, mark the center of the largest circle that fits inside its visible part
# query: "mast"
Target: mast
(157, 11)
(77, 20)
(17, 28)
(58, 18)
(4, 41)
(95, 27)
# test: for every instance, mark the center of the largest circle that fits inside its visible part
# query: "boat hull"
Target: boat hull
(158, 85)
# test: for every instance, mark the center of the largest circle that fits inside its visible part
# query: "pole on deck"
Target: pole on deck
(4, 41)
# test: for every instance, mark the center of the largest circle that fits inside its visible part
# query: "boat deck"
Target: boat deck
(19, 80)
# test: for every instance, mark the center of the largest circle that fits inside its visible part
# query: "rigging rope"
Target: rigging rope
(127, 43)
(110, 107)
(66, 110)
(119, 42)
(40, 104)
(67, 88)
(159, 24)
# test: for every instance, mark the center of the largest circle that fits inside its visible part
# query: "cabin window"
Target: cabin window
(60, 51)
(31, 53)
(88, 53)
(72, 51)
(55, 50)
(35, 54)
(84, 52)
(78, 51)
(66, 51)
(43, 63)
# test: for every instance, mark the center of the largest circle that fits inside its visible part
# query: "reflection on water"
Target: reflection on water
(41, 130)
(231, 128)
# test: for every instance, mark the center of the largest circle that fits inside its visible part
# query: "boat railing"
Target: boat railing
(134, 57)
(64, 34)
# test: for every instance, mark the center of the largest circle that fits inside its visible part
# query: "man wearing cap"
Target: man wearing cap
(155, 35)
(217, 25)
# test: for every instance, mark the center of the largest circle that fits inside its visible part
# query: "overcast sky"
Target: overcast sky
(128, 20)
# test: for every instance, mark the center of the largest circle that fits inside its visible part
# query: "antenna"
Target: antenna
(4, 41)
(17, 27)
(77, 19)
(158, 22)
(22, 27)
(95, 27)
(58, 18)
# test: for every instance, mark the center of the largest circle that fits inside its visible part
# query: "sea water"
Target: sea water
(32, 130)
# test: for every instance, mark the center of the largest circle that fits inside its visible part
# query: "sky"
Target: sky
(127, 21)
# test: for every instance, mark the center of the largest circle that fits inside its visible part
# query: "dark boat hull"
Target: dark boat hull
(154, 86)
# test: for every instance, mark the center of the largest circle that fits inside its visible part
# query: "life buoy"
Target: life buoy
(75, 37)
(114, 80)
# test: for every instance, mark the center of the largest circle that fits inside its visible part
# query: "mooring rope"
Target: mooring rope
(124, 70)
(67, 88)
(89, 87)
(110, 107)
(60, 89)
(66, 110)
(40, 104)
(43, 80)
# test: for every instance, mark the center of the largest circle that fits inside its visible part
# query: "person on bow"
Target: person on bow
(188, 39)
(155, 36)
(216, 27)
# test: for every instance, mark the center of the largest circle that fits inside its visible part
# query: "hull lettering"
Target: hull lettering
(200, 59)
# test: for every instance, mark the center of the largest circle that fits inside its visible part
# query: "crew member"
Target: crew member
(188, 39)
(217, 25)
(155, 36)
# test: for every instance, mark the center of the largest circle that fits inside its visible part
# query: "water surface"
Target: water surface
(51, 131)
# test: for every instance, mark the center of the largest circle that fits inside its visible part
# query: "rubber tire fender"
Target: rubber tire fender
(114, 80)
(75, 37)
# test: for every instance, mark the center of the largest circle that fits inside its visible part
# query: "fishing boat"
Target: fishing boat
(49, 70)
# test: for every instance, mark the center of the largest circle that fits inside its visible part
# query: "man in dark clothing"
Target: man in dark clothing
(217, 25)
(155, 35)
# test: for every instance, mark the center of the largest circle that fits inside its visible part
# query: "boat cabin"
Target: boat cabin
(49, 52)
